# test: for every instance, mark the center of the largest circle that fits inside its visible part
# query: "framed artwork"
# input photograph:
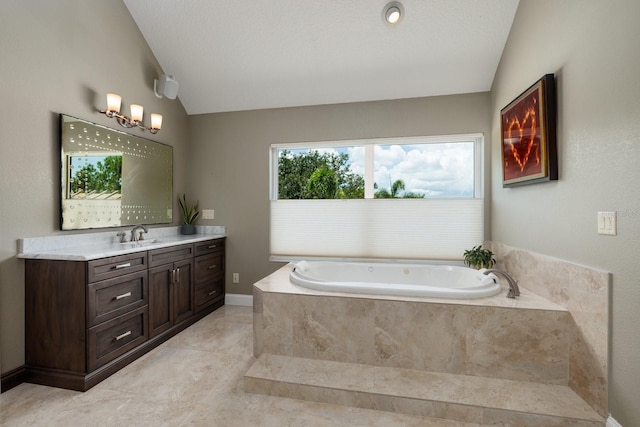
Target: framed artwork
(528, 142)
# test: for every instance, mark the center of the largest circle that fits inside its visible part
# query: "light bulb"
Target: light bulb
(393, 15)
(136, 113)
(392, 12)
(156, 121)
(113, 102)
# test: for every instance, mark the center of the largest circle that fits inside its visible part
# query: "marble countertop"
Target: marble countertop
(89, 246)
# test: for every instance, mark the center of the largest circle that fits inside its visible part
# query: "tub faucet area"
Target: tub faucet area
(514, 290)
(134, 237)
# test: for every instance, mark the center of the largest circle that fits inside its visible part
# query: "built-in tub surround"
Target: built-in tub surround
(584, 292)
(433, 334)
(530, 339)
(88, 246)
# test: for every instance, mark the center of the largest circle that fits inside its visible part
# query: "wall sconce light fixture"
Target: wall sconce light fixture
(113, 111)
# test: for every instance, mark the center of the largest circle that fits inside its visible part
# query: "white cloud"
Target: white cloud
(440, 170)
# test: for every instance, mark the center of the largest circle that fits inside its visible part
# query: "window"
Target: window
(392, 198)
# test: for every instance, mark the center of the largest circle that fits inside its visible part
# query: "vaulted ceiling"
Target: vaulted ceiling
(254, 54)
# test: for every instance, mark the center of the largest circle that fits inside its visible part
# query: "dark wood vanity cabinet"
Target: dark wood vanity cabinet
(171, 282)
(87, 319)
(117, 315)
(209, 274)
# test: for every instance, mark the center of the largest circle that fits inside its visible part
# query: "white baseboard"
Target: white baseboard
(612, 422)
(239, 299)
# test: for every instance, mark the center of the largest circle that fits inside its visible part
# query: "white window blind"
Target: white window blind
(446, 218)
(433, 229)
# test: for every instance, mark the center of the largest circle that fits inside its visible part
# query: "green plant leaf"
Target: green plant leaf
(477, 257)
(189, 213)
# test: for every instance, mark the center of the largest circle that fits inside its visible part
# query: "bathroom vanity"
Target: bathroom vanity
(88, 318)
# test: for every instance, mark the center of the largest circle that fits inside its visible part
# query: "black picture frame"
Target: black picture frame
(528, 136)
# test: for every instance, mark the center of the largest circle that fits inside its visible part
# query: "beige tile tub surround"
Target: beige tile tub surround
(499, 342)
(485, 337)
(530, 339)
(584, 292)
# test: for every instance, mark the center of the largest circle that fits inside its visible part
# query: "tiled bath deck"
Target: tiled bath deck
(194, 379)
(494, 360)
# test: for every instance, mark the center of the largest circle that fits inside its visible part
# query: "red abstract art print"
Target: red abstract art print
(528, 136)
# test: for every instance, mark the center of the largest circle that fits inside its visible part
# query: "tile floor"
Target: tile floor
(194, 379)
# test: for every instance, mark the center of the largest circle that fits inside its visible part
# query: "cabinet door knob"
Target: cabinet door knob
(126, 334)
(128, 294)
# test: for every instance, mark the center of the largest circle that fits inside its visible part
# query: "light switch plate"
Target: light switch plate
(607, 223)
(207, 214)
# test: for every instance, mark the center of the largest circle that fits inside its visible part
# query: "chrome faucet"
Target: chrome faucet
(514, 290)
(135, 238)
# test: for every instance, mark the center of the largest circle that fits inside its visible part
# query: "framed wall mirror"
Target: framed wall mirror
(110, 178)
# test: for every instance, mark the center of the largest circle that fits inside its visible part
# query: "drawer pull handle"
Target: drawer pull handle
(128, 294)
(125, 265)
(213, 293)
(212, 246)
(211, 267)
(126, 334)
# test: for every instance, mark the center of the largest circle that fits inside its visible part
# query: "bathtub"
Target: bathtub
(379, 278)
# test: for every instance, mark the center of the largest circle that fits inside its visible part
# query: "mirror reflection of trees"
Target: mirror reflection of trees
(109, 178)
(103, 177)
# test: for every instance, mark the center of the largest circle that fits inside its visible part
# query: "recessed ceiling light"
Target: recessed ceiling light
(392, 12)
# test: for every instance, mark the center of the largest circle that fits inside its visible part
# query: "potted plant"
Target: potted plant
(479, 258)
(189, 215)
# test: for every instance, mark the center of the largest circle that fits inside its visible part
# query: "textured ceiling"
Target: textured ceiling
(253, 54)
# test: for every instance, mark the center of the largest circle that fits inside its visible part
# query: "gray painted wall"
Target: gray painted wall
(61, 57)
(593, 48)
(229, 162)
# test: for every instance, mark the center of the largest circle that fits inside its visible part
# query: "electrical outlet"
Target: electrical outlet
(236, 278)
(207, 214)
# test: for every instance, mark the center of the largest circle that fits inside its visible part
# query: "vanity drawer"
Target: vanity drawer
(170, 254)
(106, 268)
(209, 246)
(208, 266)
(113, 297)
(209, 292)
(114, 338)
